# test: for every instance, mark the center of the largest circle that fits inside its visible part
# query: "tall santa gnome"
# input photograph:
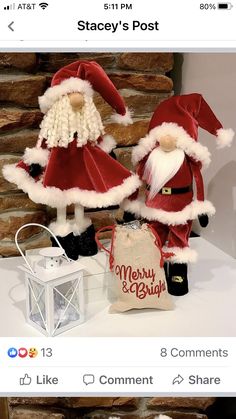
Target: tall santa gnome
(168, 159)
(71, 163)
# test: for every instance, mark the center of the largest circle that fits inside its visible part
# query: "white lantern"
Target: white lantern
(54, 289)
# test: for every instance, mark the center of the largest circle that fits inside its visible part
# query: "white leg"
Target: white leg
(62, 226)
(81, 222)
(79, 214)
(61, 215)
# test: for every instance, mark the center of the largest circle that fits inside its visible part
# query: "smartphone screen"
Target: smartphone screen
(117, 209)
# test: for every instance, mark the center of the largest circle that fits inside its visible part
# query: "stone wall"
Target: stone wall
(142, 80)
(109, 407)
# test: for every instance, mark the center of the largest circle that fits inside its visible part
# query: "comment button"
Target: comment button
(88, 379)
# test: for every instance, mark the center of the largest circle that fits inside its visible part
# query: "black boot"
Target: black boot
(128, 217)
(69, 244)
(177, 279)
(86, 242)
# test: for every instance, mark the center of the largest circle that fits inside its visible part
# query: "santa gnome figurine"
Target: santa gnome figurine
(70, 163)
(168, 159)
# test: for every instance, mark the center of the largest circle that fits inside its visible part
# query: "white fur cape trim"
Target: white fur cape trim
(36, 155)
(190, 212)
(181, 255)
(162, 417)
(186, 143)
(70, 85)
(58, 198)
(69, 226)
(125, 119)
(61, 229)
(224, 137)
(107, 144)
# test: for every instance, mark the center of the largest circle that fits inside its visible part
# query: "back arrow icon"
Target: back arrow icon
(10, 26)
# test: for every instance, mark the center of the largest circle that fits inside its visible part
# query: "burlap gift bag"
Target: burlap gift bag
(136, 260)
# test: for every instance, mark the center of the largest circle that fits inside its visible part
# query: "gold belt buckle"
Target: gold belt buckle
(178, 279)
(166, 191)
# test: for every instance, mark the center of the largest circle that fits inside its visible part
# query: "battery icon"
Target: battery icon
(225, 6)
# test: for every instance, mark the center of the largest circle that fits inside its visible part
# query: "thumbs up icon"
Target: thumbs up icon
(26, 380)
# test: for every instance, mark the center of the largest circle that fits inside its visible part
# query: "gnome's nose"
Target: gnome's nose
(76, 101)
(167, 143)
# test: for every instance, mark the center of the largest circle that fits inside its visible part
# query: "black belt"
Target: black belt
(173, 191)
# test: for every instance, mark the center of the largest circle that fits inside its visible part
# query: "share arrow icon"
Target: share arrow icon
(178, 380)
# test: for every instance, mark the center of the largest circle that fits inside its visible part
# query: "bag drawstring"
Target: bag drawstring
(100, 245)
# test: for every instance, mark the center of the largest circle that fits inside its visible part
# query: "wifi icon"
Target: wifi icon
(43, 5)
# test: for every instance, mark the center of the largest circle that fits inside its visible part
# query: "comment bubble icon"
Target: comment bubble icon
(88, 379)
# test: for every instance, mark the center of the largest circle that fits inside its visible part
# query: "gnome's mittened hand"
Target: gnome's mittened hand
(203, 220)
(35, 170)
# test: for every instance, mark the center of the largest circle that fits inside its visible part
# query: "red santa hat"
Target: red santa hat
(180, 117)
(85, 77)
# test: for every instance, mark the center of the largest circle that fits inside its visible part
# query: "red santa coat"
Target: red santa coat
(85, 175)
(173, 209)
(172, 215)
(183, 178)
(176, 236)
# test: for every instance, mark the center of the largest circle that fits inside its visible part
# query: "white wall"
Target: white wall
(214, 76)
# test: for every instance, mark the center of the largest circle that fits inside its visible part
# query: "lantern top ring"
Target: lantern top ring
(51, 252)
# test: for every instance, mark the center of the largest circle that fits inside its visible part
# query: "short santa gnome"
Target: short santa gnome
(169, 159)
(71, 163)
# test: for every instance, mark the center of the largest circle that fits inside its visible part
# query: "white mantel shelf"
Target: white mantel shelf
(208, 310)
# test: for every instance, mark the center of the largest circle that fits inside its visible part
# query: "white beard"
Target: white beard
(61, 122)
(160, 167)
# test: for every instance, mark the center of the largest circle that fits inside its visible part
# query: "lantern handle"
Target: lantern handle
(36, 225)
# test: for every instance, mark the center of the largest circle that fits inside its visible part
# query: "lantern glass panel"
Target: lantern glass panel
(37, 307)
(66, 303)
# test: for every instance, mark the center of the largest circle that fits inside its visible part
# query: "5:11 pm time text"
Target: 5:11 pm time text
(118, 6)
